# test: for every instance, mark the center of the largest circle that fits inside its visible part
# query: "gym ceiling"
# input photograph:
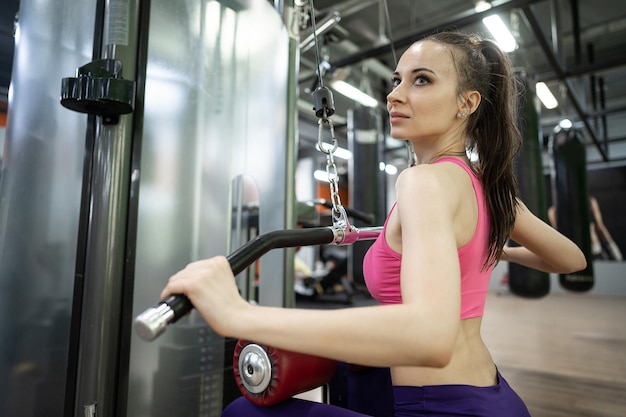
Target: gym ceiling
(576, 47)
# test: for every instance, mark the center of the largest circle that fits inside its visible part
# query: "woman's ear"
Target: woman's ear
(469, 102)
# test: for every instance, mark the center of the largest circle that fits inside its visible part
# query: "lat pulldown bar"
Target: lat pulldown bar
(153, 322)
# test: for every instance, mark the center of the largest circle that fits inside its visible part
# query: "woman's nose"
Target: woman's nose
(394, 95)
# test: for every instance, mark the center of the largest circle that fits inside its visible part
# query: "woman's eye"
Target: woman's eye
(420, 80)
(395, 81)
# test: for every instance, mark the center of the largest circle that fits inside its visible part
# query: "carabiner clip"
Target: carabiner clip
(320, 136)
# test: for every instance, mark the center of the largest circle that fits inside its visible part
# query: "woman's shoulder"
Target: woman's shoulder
(441, 186)
(431, 176)
(416, 182)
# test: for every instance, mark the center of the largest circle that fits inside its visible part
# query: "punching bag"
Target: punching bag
(524, 281)
(571, 200)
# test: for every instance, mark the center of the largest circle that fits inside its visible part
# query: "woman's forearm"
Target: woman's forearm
(375, 336)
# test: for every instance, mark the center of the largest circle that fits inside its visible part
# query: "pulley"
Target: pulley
(323, 102)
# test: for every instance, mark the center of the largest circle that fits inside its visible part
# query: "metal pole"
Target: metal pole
(290, 18)
(97, 373)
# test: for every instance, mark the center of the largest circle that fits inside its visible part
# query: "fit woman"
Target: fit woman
(430, 266)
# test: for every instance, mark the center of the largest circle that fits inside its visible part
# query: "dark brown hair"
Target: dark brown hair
(492, 129)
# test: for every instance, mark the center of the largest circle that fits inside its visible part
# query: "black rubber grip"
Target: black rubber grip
(253, 250)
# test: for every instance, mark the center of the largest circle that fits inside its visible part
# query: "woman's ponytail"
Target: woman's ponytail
(492, 129)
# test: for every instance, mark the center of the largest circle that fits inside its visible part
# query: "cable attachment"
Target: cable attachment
(340, 218)
(324, 107)
(323, 102)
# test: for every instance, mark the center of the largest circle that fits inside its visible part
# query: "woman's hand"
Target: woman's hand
(210, 286)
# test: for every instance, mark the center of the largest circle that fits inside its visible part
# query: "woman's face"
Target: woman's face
(424, 102)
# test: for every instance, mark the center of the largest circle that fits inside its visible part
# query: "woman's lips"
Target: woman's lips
(397, 116)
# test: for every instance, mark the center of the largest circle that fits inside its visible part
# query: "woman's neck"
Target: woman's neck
(430, 157)
(429, 150)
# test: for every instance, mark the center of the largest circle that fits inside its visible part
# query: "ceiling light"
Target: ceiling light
(353, 93)
(566, 124)
(481, 6)
(500, 32)
(546, 96)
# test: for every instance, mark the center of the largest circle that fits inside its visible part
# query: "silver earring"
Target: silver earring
(459, 115)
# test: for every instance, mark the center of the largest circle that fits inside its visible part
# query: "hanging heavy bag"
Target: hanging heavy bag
(523, 281)
(571, 201)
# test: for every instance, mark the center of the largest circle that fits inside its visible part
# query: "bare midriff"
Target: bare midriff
(471, 363)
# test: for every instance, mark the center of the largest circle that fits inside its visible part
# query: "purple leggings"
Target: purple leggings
(432, 401)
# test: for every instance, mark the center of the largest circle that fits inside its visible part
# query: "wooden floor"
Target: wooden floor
(565, 354)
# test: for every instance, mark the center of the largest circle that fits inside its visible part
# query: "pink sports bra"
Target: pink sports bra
(381, 264)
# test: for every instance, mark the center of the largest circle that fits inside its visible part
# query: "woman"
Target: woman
(430, 267)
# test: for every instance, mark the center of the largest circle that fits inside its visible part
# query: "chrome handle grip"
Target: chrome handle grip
(152, 323)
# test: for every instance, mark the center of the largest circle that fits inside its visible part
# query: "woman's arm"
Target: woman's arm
(420, 332)
(542, 247)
